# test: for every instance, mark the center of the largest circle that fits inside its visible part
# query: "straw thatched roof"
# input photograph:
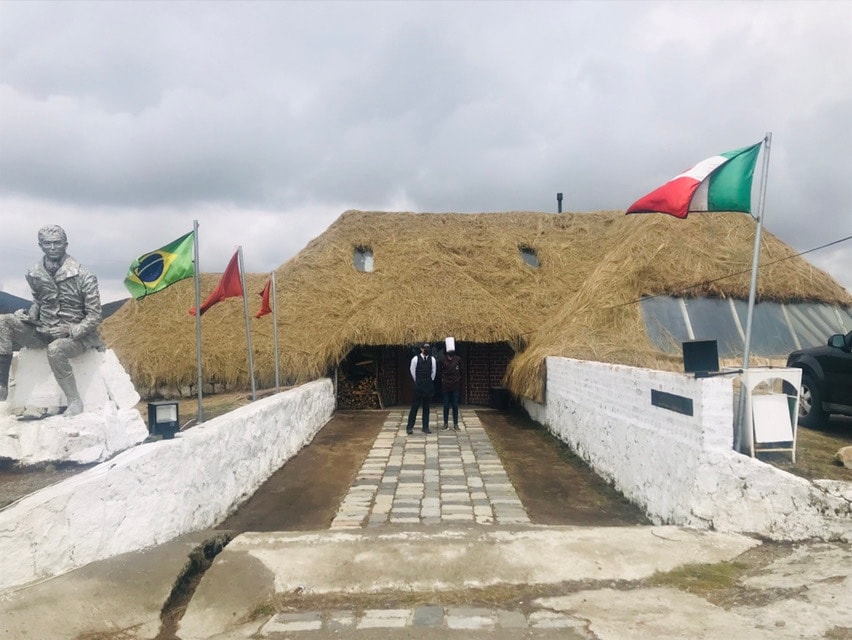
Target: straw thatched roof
(462, 275)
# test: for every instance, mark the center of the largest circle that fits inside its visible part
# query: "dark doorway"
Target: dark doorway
(483, 367)
(373, 377)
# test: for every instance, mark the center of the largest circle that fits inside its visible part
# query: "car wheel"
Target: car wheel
(810, 403)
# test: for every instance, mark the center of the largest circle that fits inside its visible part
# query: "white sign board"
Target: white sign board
(772, 421)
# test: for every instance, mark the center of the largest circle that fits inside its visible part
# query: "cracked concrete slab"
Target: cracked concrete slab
(359, 562)
(120, 595)
(653, 614)
(814, 587)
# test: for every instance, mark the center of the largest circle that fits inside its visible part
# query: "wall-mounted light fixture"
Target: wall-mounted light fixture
(163, 418)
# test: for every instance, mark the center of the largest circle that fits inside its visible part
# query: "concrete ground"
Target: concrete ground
(431, 539)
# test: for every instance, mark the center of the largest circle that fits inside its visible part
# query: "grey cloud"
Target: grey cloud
(136, 118)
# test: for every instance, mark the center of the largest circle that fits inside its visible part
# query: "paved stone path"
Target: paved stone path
(449, 618)
(445, 477)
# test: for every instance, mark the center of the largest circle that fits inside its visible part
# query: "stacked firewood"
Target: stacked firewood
(358, 394)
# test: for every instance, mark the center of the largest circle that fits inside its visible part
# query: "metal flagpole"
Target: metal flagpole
(767, 147)
(275, 330)
(197, 271)
(744, 437)
(248, 330)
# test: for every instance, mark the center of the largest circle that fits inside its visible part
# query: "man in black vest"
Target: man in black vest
(423, 369)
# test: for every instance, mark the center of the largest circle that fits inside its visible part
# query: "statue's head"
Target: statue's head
(53, 241)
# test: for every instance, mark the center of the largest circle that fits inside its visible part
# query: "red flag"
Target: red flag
(264, 299)
(229, 286)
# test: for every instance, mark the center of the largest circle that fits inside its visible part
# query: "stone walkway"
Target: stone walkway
(446, 477)
(448, 618)
(443, 478)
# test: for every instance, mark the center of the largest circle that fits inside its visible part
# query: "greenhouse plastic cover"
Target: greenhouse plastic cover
(777, 329)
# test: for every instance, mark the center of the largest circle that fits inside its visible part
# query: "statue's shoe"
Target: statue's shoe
(75, 408)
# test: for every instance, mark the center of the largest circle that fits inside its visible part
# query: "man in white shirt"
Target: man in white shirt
(423, 369)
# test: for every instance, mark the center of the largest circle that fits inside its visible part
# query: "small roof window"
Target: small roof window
(529, 256)
(362, 258)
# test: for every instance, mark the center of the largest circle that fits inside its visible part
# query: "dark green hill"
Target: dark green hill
(9, 303)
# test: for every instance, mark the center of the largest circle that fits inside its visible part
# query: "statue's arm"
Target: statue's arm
(31, 315)
(92, 313)
(28, 315)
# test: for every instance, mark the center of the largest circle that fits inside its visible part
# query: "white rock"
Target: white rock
(109, 424)
(844, 457)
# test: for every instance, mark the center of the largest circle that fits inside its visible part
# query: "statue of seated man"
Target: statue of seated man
(63, 318)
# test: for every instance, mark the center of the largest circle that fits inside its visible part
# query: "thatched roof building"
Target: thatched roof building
(528, 284)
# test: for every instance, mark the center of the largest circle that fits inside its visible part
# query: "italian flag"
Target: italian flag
(720, 183)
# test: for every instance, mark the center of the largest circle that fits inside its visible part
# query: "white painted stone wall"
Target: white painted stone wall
(157, 491)
(682, 469)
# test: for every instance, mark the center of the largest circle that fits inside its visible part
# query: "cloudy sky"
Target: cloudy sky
(264, 121)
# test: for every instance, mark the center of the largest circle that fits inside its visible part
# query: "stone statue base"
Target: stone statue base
(109, 423)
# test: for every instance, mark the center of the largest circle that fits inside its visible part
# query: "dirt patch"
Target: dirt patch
(722, 583)
(815, 451)
(555, 486)
(501, 596)
(17, 482)
(305, 493)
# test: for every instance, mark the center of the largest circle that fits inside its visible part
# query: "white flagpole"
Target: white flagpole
(275, 330)
(197, 271)
(248, 331)
(767, 147)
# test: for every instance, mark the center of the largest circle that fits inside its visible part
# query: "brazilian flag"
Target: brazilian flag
(156, 270)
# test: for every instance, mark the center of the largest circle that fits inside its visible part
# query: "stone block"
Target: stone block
(100, 378)
(109, 423)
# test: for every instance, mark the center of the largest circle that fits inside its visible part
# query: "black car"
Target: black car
(826, 379)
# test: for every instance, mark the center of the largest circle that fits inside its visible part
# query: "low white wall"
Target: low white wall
(155, 492)
(681, 469)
